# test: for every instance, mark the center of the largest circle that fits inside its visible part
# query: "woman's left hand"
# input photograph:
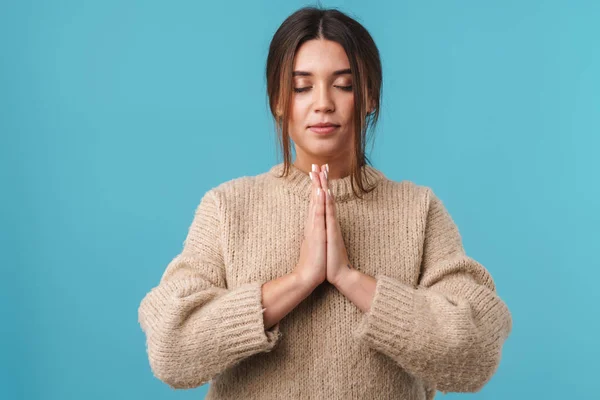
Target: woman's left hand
(338, 264)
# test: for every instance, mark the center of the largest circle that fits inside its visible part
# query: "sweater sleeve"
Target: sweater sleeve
(195, 326)
(448, 330)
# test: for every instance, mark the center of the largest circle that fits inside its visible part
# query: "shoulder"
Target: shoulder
(419, 200)
(236, 191)
(408, 191)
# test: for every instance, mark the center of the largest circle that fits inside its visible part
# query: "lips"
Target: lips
(323, 125)
(323, 129)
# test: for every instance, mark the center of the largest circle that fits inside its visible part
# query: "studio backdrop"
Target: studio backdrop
(116, 117)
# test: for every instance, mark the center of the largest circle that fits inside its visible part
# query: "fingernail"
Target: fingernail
(325, 173)
(314, 167)
(329, 192)
(327, 167)
(310, 174)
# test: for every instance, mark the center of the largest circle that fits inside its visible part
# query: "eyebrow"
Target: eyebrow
(307, 73)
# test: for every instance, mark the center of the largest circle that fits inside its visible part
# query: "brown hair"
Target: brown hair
(316, 23)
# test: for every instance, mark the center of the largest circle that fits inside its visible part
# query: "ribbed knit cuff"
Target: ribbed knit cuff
(387, 326)
(242, 327)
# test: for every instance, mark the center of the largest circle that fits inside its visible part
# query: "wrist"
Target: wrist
(305, 283)
(345, 277)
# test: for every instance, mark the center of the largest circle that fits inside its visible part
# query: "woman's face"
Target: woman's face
(322, 93)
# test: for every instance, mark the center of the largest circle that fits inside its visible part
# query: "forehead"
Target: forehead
(321, 57)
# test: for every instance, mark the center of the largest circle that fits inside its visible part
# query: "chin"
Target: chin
(329, 148)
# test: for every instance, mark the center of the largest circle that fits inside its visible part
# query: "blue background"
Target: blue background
(116, 117)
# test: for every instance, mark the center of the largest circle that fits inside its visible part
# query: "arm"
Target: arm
(358, 287)
(282, 295)
(448, 330)
(196, 327)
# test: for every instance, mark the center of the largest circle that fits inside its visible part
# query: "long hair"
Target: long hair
(310, 23)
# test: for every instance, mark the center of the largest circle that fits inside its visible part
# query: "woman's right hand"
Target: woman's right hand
(312, 265)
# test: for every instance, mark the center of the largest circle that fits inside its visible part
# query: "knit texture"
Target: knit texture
(436, 321)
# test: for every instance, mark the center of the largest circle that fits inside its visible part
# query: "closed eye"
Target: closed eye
(304, 89)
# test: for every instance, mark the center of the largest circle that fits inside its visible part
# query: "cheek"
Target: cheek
(347, 104)
(300, 109)
(298, 117)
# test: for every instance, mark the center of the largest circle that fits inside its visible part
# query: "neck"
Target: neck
(339, 167)
(298, 182)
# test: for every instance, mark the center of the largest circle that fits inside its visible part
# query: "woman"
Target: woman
(292, 284)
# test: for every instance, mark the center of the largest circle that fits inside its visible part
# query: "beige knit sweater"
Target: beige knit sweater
(436, 321)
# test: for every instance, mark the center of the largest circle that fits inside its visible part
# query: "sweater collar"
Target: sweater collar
(299, 183)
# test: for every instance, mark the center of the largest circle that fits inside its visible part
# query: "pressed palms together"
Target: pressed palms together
(323, 255)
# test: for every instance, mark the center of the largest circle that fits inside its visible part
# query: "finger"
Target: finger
(331, 214)
(311, 202)
(323, 176)
(313, 188)
(315, 184)
(316, 175)
(320, 213)
(329, 205)
(312, 199)
(325, 186)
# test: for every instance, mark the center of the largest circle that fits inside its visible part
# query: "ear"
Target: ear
(278, 111)
(370, 106)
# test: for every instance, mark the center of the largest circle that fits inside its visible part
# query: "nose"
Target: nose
(323, 101)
